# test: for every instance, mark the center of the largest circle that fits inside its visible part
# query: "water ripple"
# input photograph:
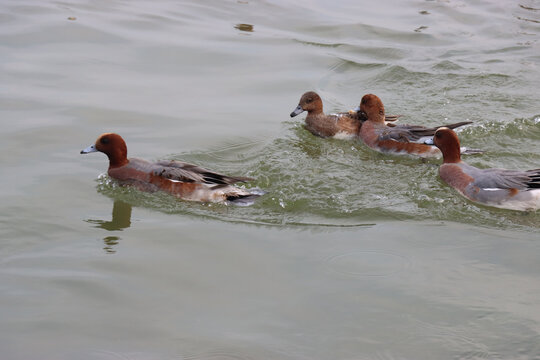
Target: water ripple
(367, 263)
(319, 182)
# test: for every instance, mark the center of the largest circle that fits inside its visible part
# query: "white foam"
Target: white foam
(342, 135)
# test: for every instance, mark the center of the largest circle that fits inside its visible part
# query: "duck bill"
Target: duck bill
(297, 111)
(357, 109)
(429, 141)
(90, 149)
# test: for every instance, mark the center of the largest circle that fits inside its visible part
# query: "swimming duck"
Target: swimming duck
(397, 139)
(345, 125)
(502, 188)
(184, 180)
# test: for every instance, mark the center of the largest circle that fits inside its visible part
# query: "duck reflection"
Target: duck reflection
(121, 219)
(110, 243)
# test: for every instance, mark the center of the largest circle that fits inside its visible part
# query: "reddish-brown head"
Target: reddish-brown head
(448, 142)
(371, 108)
(310, 102)
(113, 146)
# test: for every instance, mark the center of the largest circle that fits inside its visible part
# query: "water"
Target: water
(351, 254)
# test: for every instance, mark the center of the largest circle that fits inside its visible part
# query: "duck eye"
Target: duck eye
(104, 140)
(438, 135)
(309, 100)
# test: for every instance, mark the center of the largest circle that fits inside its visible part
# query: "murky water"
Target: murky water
(351, 254)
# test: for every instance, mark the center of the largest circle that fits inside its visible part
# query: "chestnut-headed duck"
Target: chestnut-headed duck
(507, 189)
(186, 181)
(398, 139)
(345, 125)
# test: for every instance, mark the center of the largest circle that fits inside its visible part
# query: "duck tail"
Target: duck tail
(456, 125)
(245, 199)
(534, 176)
(469, 151)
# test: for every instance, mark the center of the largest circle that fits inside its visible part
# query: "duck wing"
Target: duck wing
(357, 115)
(414, 133)
(504, 179)
(185, 172)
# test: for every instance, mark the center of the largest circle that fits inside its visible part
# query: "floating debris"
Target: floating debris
(244, 27)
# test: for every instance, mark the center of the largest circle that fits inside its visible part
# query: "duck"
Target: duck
(500, 188)
(183, 180)
(344, 125)
(397, 139)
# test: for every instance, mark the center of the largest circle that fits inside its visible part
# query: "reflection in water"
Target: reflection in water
(110, 242)
(525, 19)
(121, 219)
(529, 8)
(530, 15)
